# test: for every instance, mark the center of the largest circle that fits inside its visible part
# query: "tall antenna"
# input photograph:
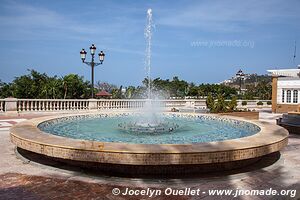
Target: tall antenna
(295, 51)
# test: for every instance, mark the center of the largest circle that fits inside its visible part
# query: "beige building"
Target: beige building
(285, 90)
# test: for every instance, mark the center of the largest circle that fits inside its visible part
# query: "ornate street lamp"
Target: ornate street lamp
(241, 76)
(92, 63)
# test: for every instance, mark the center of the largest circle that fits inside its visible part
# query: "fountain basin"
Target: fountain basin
(232, 153)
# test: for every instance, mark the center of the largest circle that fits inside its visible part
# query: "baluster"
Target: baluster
(45, 105)
(22, 105)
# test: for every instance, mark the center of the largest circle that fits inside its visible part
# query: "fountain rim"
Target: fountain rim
(28, 131)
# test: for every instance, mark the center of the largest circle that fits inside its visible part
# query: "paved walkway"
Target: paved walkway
(21, 179)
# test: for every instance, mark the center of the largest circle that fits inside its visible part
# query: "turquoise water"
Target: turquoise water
(191, 129)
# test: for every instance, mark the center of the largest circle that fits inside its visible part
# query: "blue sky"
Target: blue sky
(48, 35)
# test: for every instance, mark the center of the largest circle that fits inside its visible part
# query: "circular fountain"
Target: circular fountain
(150, 141)
(201, 143)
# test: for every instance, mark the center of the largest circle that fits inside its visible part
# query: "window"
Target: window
(288, 96)
(282, 100)
(295, 96)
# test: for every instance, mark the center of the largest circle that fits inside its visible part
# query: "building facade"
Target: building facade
(285, 90)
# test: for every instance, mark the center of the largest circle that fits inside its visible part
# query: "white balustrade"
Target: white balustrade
(51, 105)
(44, 105)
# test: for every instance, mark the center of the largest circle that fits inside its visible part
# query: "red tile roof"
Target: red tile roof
(103, 93)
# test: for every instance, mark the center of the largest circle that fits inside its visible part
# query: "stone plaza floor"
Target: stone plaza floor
(24, 179)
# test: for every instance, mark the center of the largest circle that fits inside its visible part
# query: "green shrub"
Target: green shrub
(269, 102)
(232, 104)
(244, 103)
(210, 103)
(260, 103)
(220, 104)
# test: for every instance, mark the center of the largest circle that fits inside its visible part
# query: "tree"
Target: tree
(5, 90)
(263, 90)
(54, 87)
(130, 90)
(232, 104)
(220, 104)
(75, 87)
(215, 89)
(210, 102)
(29, 86)
(192, 90)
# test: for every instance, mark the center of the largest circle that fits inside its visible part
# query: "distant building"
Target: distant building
(285, 90)
(235, 80)
(226, 82)
(103, 94)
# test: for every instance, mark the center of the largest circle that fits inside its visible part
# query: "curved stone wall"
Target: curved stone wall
(26, 135)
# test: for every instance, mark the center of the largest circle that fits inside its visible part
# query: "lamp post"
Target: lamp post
(241, 76)
(92, 63)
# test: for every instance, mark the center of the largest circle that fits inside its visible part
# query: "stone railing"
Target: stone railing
(48, 105)
(120, 103)
(253, 104)
(51, 104)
